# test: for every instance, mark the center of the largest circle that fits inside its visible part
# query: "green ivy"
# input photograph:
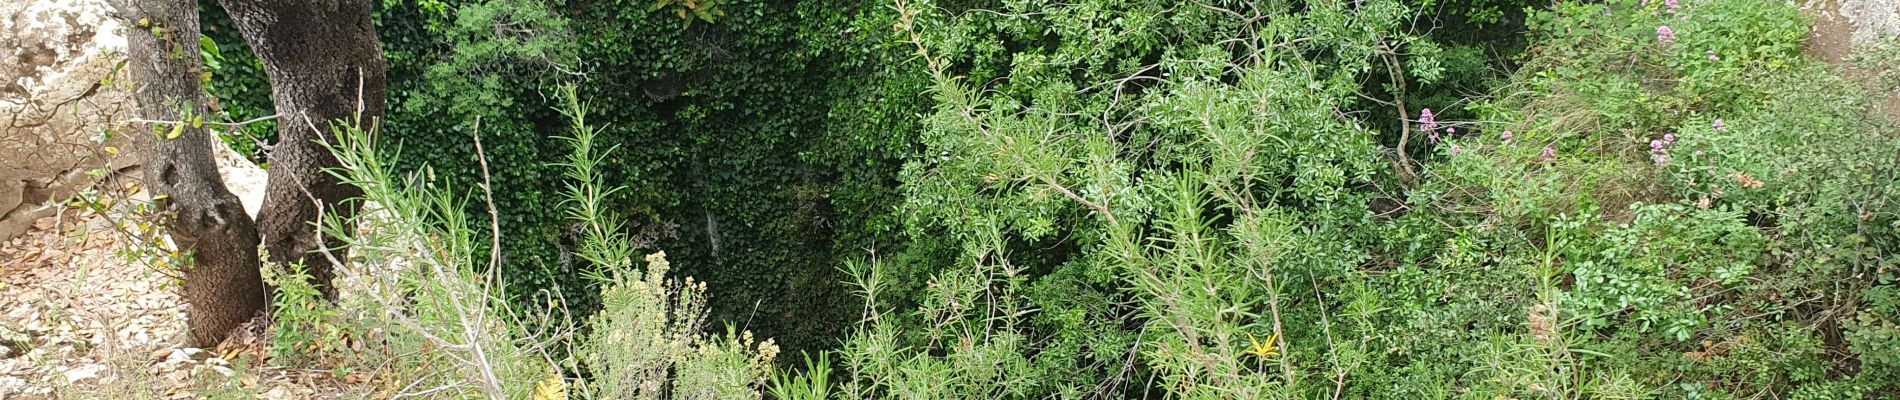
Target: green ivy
(758, 148)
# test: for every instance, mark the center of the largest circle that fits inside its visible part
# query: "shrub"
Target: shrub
(304, 328)
(1127, 199)
(1088, 240)
(440, 325)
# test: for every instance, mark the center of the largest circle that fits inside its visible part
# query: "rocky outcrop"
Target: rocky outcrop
(1840, 25)
(57, 100)
(1871, 19)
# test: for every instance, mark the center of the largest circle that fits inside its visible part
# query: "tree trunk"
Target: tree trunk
(223, 287)
(325, 66)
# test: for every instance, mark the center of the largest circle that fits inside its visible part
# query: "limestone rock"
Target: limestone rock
(242, 177)
(56, 100)
(1841, 25)
(1872, 19)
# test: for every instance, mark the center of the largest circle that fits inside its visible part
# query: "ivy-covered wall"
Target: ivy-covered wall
(763, 139)
(758, 148)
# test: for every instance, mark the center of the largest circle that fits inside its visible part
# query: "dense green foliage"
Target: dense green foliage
(1127, 199)
(757, 149)
(1681, 212)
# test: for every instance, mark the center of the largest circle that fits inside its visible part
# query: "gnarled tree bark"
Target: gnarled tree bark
(223, 287)
(325, 66)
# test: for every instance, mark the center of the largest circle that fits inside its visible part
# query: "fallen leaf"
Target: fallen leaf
(84, 372)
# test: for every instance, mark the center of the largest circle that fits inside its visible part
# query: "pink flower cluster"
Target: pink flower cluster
(1428, 123)
(1672, 5)
(1659, 149)
(1665, 35)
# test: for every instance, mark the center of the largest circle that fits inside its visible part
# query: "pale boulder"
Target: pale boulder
(56, 102)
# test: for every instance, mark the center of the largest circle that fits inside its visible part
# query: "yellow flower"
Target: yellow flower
(552, 388)
(1263, 350)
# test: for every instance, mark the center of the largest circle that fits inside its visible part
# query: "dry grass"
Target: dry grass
(78, 320)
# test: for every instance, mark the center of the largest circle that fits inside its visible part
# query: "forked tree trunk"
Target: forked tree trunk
(325, 66)
(223, 287)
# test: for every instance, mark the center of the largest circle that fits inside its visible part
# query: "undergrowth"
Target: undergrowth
(1667, 200)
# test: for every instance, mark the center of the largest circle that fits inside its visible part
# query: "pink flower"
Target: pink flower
(1718, 125)
(1455, 149)
(1657, 151)
(1712, 56)
(1549, 152)
(1672, 5)
(1506, 135)
(1427, 122)
(1665, 35)
(1698, 153)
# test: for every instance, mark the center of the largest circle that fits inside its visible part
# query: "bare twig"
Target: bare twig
(224, 124)
(492, 384)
